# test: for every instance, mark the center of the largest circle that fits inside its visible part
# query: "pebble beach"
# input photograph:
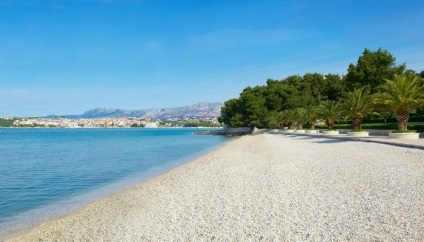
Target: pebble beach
(267, 187)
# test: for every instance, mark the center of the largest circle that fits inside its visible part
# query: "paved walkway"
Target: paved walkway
(411, 143)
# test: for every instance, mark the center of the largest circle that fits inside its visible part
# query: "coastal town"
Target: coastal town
(125, 122)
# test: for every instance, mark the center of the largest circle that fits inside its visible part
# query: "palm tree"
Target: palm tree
(294, 118)
(274, 119)
(330, 112)
(402, 95)
(311, 113)
(299, 117)
(357, 105)
(287, 117)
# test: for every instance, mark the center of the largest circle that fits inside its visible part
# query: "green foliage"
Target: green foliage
(391, 118)
(299, 117)
(401, 95)
(6, 122)
(230, 109)
(255, 107)
(274, 119)
(417, 127)
(357, 105)
(273, 104)
(335, 87)
(372, 68)
(380, 126)
(313, 88)
(330, 112)
(404, 131)
(237, 120)
(276, 94)
(136, 125)
(311, 114)
(253, 101)
(317, 87)
(259, 106)
(294, 118)
(287, 117)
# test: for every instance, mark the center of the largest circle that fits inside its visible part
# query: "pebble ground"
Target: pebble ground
(265, 188)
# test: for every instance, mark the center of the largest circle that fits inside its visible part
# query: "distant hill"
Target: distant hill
(204, 109)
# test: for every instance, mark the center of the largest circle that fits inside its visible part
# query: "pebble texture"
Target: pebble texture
(265, 188)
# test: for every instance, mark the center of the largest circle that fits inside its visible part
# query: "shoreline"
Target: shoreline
(19, 225)
(265, 186)
(20, 234)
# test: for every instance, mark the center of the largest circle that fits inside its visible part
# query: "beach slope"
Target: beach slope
(265, 187)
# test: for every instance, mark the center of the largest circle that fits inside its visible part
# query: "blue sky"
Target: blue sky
(69, 56)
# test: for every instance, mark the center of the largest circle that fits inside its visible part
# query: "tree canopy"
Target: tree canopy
(372, 68)
(263, 106)
(402, 94)
(356, 105)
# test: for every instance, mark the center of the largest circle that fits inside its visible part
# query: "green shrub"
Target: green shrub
(381, 126)
(404, 131)
(6, 122)
(413, 117)
(336, 126)
(418, 127)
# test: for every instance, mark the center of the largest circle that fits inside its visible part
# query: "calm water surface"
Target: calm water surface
(49, 172)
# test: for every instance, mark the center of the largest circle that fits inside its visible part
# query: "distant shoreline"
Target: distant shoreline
(106, 122)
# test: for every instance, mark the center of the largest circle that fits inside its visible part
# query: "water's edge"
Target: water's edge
(23, 223)
(80, 202)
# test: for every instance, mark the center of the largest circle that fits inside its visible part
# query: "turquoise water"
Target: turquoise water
(49, 172)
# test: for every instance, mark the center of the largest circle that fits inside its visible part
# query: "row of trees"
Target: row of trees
(373, 84)
(401, 95)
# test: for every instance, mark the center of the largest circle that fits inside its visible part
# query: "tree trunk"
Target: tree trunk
(330, 124)
(402, 118)
(357, 122)
(312, 125)
(290, 125)
(296, 125)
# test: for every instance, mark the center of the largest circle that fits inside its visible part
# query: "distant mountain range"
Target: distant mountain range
(204, 109)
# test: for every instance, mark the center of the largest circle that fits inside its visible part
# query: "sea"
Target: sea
(47, 173)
